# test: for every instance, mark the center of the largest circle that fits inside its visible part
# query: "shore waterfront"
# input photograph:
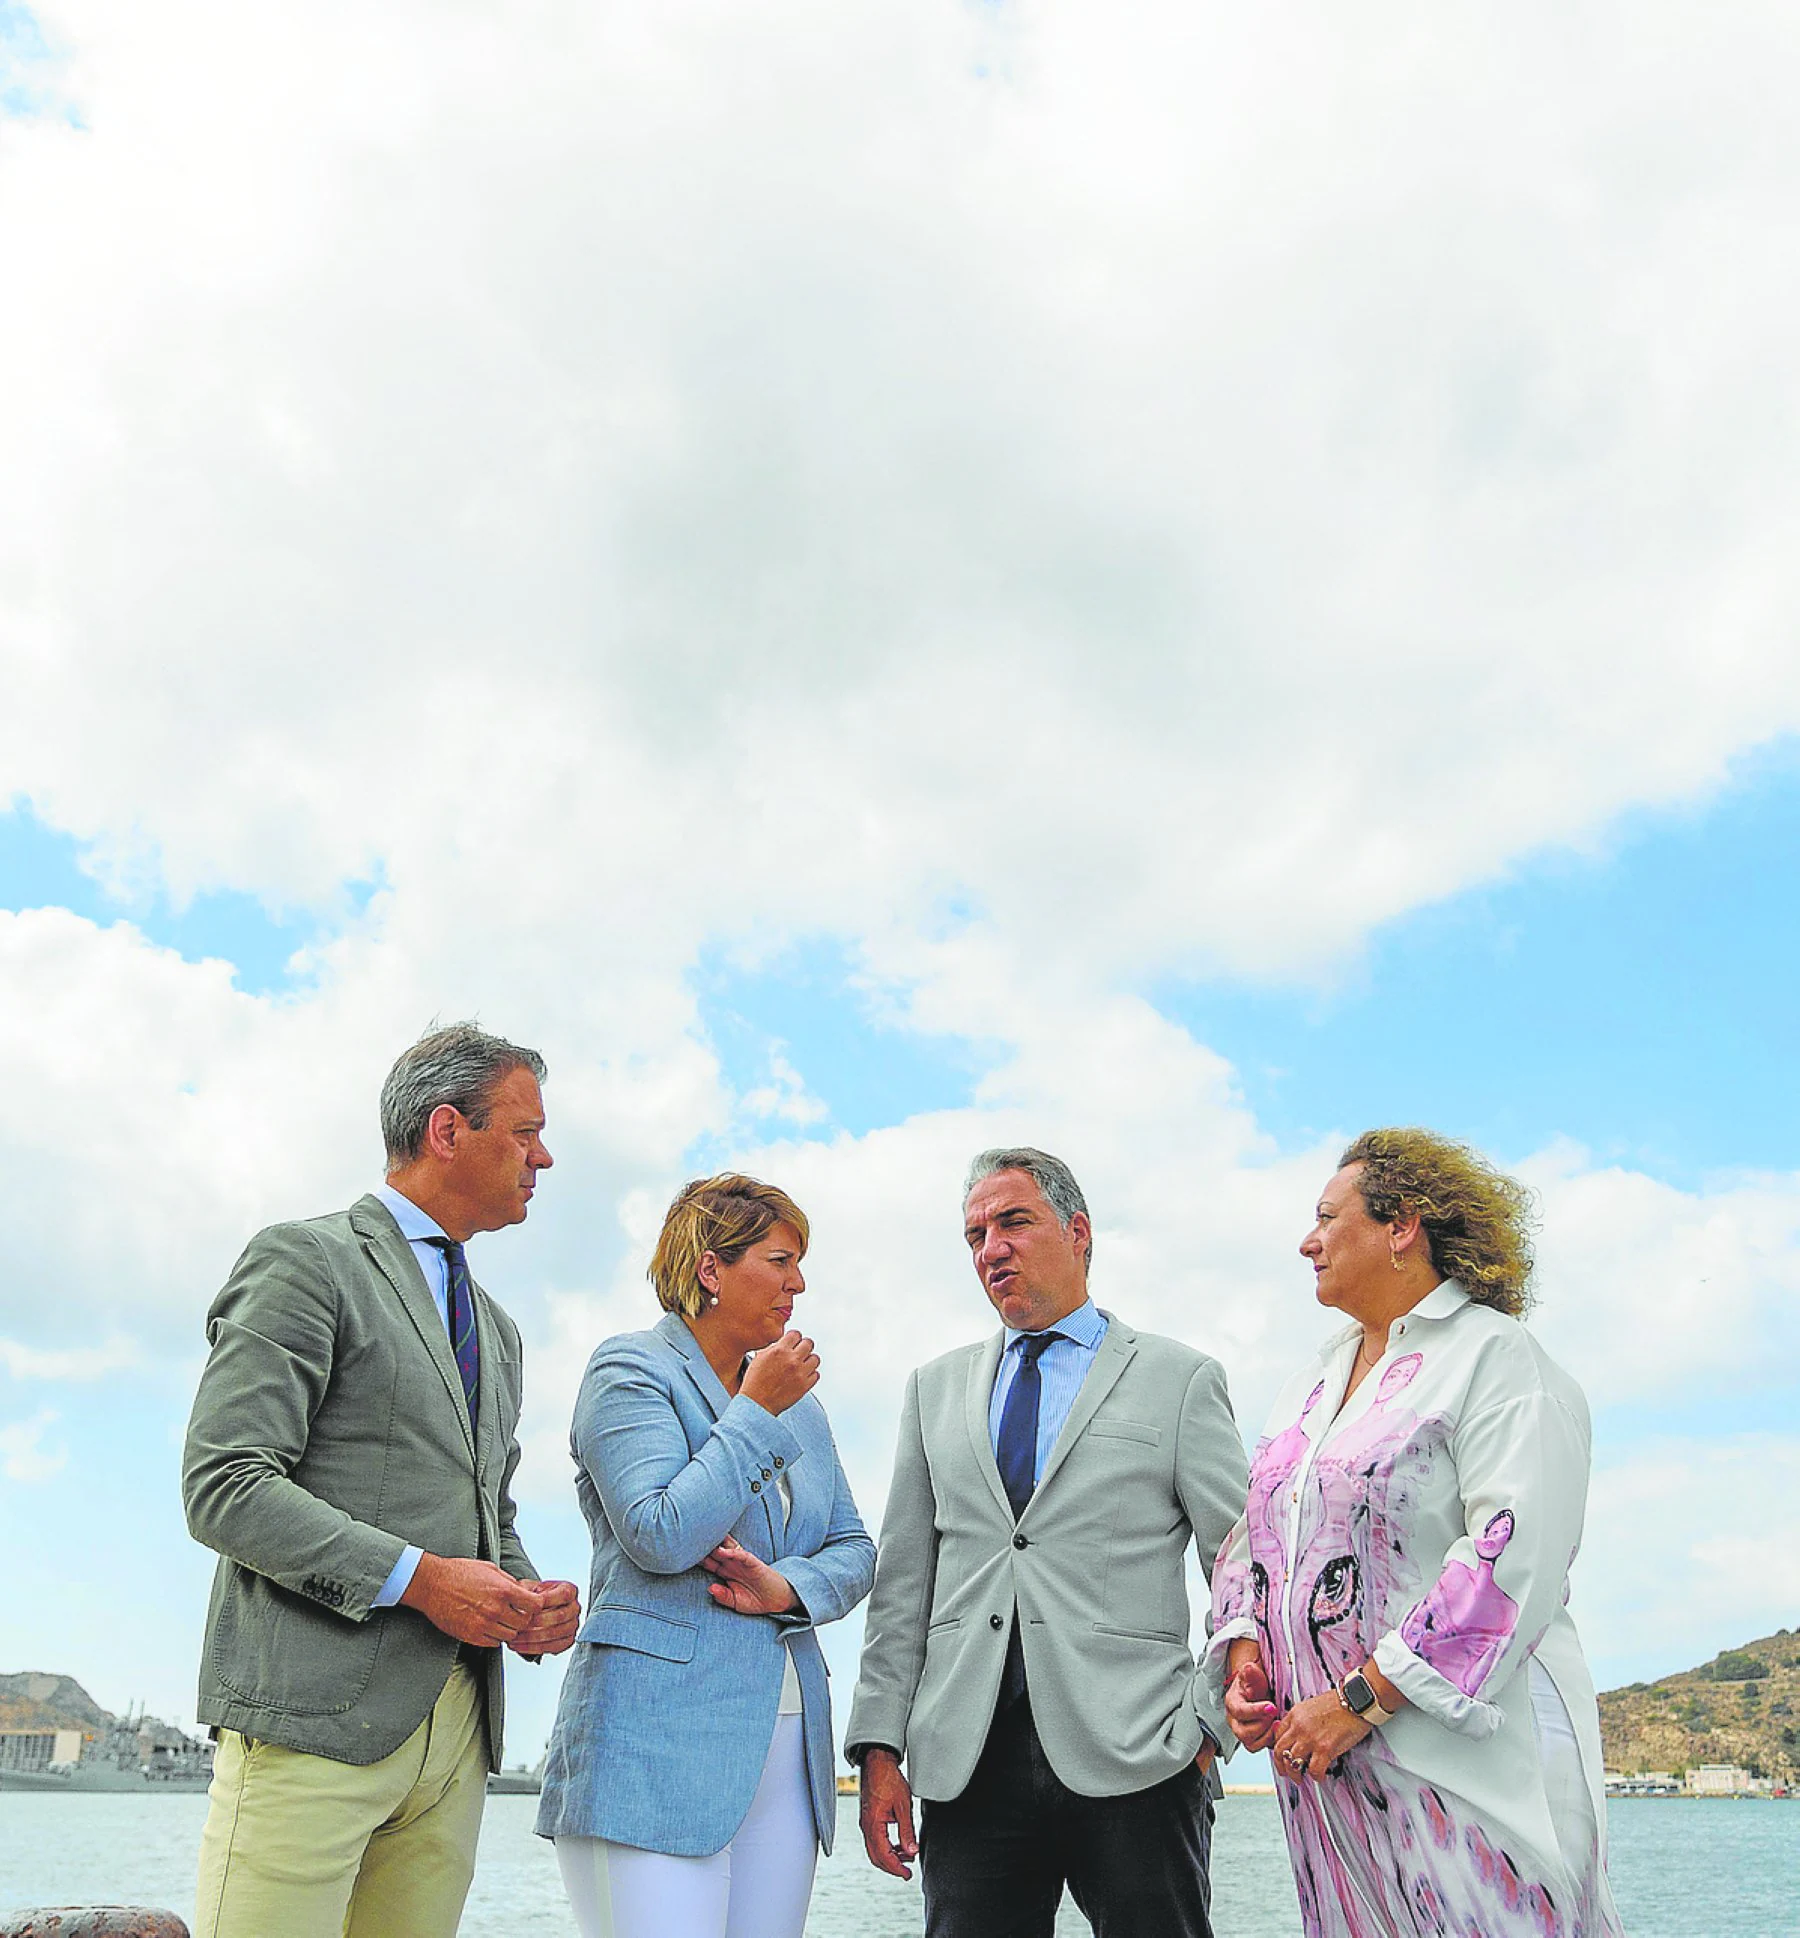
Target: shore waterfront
(1682, 1868)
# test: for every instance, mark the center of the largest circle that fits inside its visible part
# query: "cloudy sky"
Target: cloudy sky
(880, 580)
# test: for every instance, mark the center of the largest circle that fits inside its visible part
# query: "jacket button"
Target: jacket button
(779, 1462)
(756, 1487)
(1019, 1541)
(767, 1475)
(994, 1621)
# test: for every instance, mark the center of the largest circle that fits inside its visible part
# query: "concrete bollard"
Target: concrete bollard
(91, 1921)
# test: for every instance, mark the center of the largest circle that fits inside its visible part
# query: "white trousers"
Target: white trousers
(758, 1886)
(1565, 1783)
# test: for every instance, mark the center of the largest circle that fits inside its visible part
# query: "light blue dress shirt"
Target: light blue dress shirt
(1062, 1367)
(418, 1230)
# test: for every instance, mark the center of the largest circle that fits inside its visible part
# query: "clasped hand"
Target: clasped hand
(484, 1605)
(1308, 1740)
(1314, 1734)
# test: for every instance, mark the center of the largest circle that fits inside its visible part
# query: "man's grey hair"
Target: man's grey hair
(459, 1065)
(1051, 1176)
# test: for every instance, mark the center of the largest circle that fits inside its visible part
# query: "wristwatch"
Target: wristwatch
(1357, 1693)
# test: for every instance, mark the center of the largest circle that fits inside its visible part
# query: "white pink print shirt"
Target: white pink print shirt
(1429, 1524)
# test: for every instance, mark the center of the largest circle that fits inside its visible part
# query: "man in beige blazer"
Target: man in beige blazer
(1027, 1657)
(350, 1457)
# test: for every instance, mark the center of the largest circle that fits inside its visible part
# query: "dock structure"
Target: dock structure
(1703, 1780)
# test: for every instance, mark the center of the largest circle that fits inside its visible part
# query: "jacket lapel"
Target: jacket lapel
(672, 1328)
(393, 1257)
(982, 1369)
(1116, 1352)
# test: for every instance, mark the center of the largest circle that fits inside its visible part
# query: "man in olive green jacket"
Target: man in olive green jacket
(350, 1458)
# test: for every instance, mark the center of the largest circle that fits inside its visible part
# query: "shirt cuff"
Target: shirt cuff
(1431, 1693)
(400, 1580)
(1218, 1648)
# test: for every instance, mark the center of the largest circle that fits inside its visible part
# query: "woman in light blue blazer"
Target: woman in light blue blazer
(689, 1783)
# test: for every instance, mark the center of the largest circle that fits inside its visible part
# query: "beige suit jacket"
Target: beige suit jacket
(1094, 1570)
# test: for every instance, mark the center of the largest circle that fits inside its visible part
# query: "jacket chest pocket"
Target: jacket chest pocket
(500, 1373)
(1126, 1440)
(1115, 1429)
(1144, 1596)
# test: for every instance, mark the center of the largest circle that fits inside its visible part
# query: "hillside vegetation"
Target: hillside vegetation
(1742, 1707)
(37, 1700)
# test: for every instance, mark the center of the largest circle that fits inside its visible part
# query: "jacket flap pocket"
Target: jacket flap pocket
(618, 1627)
(1105, 1429)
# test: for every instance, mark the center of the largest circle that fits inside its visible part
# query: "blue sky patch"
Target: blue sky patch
(42, 868)
(1640, 1001)
(28, 68)
(811, 1003)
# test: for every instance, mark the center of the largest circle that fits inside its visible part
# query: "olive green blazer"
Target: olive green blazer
(329, 1432)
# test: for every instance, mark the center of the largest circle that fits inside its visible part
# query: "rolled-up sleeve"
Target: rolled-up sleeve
(1522, 1472)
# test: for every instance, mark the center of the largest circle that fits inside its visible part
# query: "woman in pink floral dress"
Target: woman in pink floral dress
(1389, 1615)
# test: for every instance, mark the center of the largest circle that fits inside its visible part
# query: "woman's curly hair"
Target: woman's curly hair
(1478, 1222)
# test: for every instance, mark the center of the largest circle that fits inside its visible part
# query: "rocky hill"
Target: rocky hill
(36, 1700)
(1742, 1707)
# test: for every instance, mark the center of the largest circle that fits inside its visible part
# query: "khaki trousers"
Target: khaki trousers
(299, 1846)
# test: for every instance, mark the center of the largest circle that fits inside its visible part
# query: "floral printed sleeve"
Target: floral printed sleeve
(1522, 1471)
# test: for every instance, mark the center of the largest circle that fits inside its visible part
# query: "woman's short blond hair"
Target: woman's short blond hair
(725, 1215)
(1478, 1221)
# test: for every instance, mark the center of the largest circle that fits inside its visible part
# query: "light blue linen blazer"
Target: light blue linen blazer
(668, 1706)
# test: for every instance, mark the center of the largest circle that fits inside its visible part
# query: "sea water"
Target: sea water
(1680, 1868)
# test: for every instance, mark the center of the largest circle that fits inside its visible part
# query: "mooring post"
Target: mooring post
(91, 1921)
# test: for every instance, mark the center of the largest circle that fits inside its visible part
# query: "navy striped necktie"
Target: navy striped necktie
(459, 1317)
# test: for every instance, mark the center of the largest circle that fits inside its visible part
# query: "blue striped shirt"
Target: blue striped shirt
(1063, 1366)
(417, 1228)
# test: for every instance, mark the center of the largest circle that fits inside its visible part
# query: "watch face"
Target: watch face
(1357, 1692)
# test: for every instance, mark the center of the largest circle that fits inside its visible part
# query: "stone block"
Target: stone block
(91, 1921)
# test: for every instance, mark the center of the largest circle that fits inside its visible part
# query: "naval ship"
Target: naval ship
(126, 1756)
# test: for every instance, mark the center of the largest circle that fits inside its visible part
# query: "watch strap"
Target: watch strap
(1357, 1693)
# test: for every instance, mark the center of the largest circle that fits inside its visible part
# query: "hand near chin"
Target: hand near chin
(745, 1583)
(782, 1373)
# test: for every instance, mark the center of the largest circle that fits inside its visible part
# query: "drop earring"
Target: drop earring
(1393, 1260)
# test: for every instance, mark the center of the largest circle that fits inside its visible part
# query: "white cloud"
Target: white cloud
(1290, 474)
(79, 1363)
(784, 1097)
(23, 1456)
(1659, 1292)
(1691, 1547)
(1045, 501)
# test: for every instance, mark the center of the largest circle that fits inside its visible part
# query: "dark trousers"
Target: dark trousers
(995, 1859)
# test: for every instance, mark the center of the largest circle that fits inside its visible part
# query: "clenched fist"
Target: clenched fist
(782, 1373)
